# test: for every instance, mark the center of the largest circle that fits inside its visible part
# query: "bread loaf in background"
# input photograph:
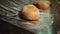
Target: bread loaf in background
(42, 4)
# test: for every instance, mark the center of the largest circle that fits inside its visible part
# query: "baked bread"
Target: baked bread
(30, 12)
(42, 4)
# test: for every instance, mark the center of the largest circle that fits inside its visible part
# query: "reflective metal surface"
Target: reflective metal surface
(11, 8)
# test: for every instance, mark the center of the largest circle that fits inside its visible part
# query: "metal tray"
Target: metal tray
(11, 8)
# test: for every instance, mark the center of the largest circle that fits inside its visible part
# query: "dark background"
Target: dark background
(7, 28)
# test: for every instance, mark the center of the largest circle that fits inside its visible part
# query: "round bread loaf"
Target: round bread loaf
(42, 4)
(30, 12)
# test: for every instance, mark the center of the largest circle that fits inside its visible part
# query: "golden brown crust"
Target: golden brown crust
(30, 12)
(45, 5)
